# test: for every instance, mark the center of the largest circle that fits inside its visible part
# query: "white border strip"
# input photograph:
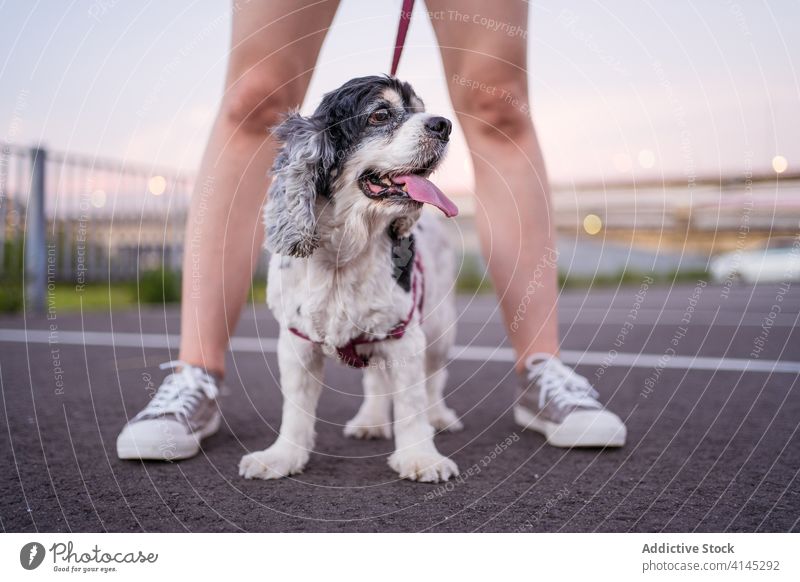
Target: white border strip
(462, 353)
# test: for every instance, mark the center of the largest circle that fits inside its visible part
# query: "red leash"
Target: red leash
(402, 29)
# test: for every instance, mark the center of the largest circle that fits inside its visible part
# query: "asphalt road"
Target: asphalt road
(713, 438)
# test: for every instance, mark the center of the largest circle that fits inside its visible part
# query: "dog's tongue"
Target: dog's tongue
(425, 191)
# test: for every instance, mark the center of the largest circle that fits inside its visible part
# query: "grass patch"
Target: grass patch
(472, 277)
(67, 297)
(628, 277)
(10, 296)
(257, 293)
(94, 297)
(162, 287)
(159, 287)
(11, 290)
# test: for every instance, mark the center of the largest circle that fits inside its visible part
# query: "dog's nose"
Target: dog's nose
(440, 127)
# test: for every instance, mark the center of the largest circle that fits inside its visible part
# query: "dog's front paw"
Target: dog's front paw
(368, 427)
(443, 418)
(273, 463)
(425, 466)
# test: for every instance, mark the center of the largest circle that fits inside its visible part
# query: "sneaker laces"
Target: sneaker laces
(559, 383)
(181, 391)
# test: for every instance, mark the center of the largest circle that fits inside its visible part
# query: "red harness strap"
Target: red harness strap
(348, 353)
(402, 29)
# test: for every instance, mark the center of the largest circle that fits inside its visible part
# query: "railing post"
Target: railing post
(5, 200)
(35, 245)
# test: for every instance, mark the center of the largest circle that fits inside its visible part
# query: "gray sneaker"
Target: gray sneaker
(182, 412)
(561, 404)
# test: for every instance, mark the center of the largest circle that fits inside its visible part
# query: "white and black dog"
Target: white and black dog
(358, 272)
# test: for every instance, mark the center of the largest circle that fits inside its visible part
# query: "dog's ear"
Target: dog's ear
(300, 174)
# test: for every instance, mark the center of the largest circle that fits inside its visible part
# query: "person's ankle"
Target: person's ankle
(216, 372)
(521, 365)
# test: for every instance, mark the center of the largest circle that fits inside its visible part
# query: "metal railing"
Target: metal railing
(85, 219)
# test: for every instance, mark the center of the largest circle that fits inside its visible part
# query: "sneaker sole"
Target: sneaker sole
(181, 447)
(608, 433)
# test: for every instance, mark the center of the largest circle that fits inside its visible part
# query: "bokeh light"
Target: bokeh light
(646, 159)
(98, 198)
(780, 164)
(592, 224)
(157, 185)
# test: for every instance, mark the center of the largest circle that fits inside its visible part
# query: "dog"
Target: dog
(358, 272)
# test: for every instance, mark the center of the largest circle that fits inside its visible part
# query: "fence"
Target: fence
(87, 219)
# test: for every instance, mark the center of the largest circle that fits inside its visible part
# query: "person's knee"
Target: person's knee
(494, 107)
(258, 99)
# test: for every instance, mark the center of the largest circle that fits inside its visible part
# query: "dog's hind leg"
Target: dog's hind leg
(439, 415)
(374, 418)
(300, 364)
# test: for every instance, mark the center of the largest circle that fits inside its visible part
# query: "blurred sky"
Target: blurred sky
(620, 86)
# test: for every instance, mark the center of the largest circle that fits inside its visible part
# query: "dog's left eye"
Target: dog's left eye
(379, 116)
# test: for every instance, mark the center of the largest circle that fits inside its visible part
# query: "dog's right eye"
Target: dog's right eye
(379, 116)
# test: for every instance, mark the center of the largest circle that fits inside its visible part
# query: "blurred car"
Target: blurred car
(776, 260)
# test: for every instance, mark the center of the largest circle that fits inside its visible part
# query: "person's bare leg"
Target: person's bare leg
(488, 81)
(274, 48)
(485, 61)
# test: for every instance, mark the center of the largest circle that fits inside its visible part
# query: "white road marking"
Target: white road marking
(595, 316)
(590, 316)
(460, 353)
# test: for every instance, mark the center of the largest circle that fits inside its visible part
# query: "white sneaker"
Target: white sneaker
(182, 413)
(561, 404)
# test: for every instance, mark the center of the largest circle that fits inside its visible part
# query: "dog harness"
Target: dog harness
(348, 354)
